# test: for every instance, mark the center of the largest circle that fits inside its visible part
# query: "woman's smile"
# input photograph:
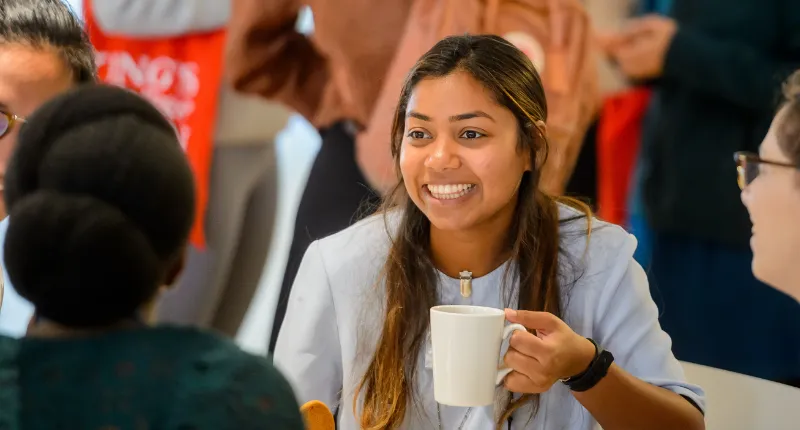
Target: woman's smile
(449, 193)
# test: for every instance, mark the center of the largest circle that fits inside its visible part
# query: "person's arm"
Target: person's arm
(733, 71)
(268, 57)
(645, 387)
(622, 401)
(308, 350)
(160, 18)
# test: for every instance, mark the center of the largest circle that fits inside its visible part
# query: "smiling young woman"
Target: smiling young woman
(469, 141)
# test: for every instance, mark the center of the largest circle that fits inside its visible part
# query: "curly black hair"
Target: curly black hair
(101, 201)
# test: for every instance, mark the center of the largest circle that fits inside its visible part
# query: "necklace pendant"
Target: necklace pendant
(466, 283)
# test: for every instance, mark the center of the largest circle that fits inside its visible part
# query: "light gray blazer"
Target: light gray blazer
(336, 308)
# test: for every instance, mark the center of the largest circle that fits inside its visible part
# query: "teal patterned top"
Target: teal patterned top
(141, 379)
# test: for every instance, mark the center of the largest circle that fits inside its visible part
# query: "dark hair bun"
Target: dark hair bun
(96, 262)
(101, 200)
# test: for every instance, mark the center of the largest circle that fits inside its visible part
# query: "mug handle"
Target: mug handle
(504, 371)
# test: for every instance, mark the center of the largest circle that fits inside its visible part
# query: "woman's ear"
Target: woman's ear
(539, 130)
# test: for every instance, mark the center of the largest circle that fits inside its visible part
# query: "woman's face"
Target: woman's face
(773, 201)
(460, 156)
(29, 76)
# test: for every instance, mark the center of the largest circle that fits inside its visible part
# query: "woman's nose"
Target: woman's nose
(443, 155)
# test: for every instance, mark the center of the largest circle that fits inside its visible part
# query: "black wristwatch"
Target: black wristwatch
(597, 370)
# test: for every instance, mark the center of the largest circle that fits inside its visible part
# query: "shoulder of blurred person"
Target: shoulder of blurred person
(9, 373)
(224, 387)
(206, 381)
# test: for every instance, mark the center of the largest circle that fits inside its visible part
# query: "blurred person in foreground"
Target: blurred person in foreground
(770, 182)
(717, 71)
(93, 256)
(43, 52)
(219, 281)
(333, 79)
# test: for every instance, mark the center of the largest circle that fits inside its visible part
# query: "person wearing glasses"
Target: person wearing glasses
(717, 71)
(43, 52)
(770, 183)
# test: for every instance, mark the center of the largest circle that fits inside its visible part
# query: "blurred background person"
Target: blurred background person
(717, 70)
(331, 78)
(43, 52)
(605, 15)
(219, 281)
(770, 184)
(93, 256)
(636, 216)
(619, 130)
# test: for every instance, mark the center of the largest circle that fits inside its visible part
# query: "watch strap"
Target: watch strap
(596, 371)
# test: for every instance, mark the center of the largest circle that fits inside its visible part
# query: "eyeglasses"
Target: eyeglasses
(7, 121)
(748, 166)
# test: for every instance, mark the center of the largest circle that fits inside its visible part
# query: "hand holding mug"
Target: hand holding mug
(540, 360)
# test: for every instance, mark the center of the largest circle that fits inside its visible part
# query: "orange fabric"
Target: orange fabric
(317, 416)
(619, 134)
(334, 74)
(182, 76)
(555, 34)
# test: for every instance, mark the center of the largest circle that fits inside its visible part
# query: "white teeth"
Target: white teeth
(448, 192)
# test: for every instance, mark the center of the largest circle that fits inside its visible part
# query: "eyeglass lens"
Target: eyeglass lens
(5, 122)
(748, 171)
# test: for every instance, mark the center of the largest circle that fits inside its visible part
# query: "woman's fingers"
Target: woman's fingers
(528, 344)
(529, 375)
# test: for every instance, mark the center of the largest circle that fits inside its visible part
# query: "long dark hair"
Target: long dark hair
(409, 274)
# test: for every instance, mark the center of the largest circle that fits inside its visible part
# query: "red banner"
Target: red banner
(181, 76)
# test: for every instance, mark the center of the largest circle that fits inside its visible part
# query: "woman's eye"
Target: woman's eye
(417, 134)
(471, 134)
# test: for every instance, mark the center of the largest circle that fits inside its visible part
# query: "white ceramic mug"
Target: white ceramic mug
(466, 343)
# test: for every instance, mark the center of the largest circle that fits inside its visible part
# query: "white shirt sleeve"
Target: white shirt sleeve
(160, 18)
(308, 351)
(627, 325)
(15, 312)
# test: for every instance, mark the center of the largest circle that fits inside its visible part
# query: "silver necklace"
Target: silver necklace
(463, 420)
(466, 283)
